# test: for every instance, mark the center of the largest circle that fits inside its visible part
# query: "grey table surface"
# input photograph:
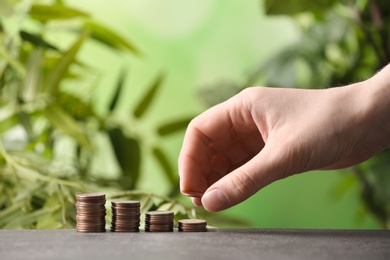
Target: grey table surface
(215, 244)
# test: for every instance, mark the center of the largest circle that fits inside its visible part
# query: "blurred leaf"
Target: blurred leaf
(9, 213)
(109, 38)
(291, 7)
(63, 121)
(163, 160)
(128, 154)
(173, 206)
(46, 13)
(29, 189)
(8, 123)
(146, 203)
(6, 9)
(345, 185)
(61, 68)
(118, 89)
(145, 102)
(14, 63)
(219, 92)
(50, 221)
(25, 121)
(76, 107)
(24, 220)
(36, 40)
(33, 75)
(173, 127)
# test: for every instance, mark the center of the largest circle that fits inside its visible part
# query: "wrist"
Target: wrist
(377, 89)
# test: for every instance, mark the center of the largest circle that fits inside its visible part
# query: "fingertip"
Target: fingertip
(215, 200)
(197, 201)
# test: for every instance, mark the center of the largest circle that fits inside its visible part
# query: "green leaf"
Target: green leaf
(128, 154)
(25, 121)
(173, 127)
(76, 107)
(46, 13)
(11, 61)
(24, 220)
(145, 102)
(61, 68)
(291, 7)
(118, 89)
(6, 9)
(107, 37)
(63, 121)
(32, 80)
(173, 206)
(165, 164)
(36, 40)
(8, 123)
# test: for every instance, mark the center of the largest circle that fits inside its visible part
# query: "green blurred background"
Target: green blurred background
(199, 43)
(198, 46)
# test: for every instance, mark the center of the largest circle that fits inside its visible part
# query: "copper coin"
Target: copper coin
(125, 204)
(83, 205)
(91, 197)
(192, 221)
(126, 213)
(159, 213)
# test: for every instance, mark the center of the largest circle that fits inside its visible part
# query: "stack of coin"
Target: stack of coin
(91, 212)
(192, 225)
(125, 216)
(159, 221)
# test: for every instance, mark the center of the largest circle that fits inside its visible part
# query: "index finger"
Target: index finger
(197, 152)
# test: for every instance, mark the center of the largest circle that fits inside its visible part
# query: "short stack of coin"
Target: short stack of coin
(91, 212)
(125, 216)
(192, 225)
(159, 221)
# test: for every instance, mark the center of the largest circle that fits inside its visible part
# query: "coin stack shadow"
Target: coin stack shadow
(192, 225)
(159, 221)
(91, 212)
(125, 216)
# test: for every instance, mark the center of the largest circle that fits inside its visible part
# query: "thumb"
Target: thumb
(235, 187)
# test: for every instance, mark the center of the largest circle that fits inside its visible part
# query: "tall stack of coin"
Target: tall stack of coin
(91, 212)
(159, 221)
(125, 216)
(192, 225)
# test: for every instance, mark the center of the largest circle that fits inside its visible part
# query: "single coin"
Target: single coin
(84, 204)
(126, 203)
(91, 196)
(192, 221)
(159, 213)
(194, 194)
(126, 212)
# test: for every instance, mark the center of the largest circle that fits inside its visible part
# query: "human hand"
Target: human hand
(265, 134)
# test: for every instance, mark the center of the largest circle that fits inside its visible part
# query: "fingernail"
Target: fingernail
(214, 200)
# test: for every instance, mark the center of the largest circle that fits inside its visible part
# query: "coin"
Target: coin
(91, 197)
(126, 215)
(91, 212)
(159, 221)
(192, 225)
(126, 204)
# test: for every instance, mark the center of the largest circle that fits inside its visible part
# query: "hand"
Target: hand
(265, 134)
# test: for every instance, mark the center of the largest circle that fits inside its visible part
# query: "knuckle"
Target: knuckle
(243, 184)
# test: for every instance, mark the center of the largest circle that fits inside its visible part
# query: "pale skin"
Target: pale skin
(261, 135)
